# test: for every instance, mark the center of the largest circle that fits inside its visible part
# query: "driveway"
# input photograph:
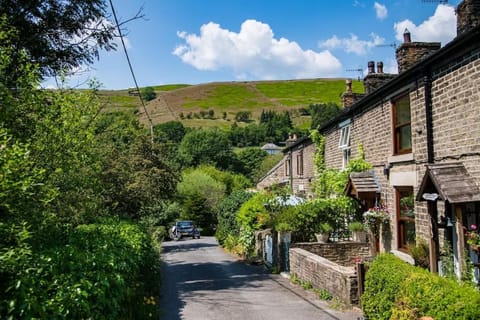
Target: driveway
(201, 281)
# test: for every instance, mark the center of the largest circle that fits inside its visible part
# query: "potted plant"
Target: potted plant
(358, 231)
(324, 230)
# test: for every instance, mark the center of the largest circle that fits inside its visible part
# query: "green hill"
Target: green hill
(191, 103)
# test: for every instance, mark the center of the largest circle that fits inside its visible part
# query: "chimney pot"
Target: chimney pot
(407, 36)
(379, 67)
(349, 85)
(371, 67)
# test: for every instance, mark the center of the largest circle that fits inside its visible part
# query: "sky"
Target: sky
(193, 41)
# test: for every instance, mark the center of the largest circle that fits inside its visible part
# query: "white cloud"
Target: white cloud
(253, 52)
(441, 27)
(353, 44)
(357, 3)
(381, 10)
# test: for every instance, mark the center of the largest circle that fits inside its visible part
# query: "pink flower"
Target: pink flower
(473, 227)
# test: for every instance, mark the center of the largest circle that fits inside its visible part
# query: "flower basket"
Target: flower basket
(473, 238)
(374, 218)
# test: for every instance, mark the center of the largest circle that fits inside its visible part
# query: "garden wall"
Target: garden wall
(334, 272)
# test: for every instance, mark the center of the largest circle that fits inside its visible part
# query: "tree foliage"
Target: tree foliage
(148, 93)
(58, 35)
(322, 113)
(170, 131)
(250, 160)
(207, 146)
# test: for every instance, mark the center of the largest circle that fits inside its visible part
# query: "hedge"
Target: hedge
(397, 290)
(97, 271)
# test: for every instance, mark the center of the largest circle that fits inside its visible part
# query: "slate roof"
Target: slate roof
(362, 182)
(451, 181)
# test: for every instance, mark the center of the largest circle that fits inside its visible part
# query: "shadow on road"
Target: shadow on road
(196, 279)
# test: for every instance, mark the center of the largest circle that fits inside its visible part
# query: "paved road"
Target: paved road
(201, 281)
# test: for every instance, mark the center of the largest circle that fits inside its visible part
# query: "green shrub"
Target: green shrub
(382, 281)
(107, 270)
(427, 294)
(397, 290)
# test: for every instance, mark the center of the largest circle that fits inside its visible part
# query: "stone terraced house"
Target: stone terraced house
(420, 130)
(295, 170)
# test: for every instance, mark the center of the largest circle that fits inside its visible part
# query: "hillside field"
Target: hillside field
(190, 103)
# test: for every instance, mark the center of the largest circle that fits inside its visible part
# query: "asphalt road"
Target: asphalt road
(201, 281)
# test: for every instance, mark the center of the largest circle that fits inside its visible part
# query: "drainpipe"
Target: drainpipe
(432, 205)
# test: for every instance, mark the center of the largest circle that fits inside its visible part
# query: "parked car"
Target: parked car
(184, 228)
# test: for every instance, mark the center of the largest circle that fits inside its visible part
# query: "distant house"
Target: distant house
(271, 148)
(295, 170)
(419, 130)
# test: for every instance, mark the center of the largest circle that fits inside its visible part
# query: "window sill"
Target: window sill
(401, 158)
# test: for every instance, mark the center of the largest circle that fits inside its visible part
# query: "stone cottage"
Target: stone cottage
(295, 170)
(419, 130)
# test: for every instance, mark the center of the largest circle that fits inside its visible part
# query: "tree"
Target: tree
(243, 116)
(200, 194)
(171, 131)
(148, 93)
(207, 146)
(322, 113)
(251, 159)
(227, 214)
(60, 35)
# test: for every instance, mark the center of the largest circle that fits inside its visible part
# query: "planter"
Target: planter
(322, 237)
(359, 236)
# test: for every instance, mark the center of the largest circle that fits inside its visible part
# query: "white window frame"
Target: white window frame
(344, 141)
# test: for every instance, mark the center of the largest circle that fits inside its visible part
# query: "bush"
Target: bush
(397, 290)
(382, 281)
(426, 294)
(97, 271)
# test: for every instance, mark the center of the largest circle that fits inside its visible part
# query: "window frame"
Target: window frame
(344, 141)
(402, 242)
(397, 142)
(300, 163)
(287, 167)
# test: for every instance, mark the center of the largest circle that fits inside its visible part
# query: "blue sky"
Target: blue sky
(193, 41)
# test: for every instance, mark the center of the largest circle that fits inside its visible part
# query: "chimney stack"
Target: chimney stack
(409, 53)
(348, 83)
(379, 67)
(468, 16)
(371, 67)
(407, 36)
(349, 97)
(373, 80)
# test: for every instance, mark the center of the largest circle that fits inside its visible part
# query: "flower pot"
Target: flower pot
(359, 236)
(322, 237)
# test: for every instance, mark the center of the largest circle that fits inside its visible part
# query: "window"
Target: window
(344, 142)
(287, 167)
(405, 216)
(402, 127)
(346, 157)
(300, 163)
(344, 136)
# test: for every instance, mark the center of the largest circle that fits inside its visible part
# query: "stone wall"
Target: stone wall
(339, 281)
(468, 15)
(345, 253)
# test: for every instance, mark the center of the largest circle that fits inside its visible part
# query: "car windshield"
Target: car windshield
(184, 224)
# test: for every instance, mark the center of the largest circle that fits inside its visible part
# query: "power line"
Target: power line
(131, 69)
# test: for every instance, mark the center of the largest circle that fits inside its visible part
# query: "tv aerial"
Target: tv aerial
(359, 70)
